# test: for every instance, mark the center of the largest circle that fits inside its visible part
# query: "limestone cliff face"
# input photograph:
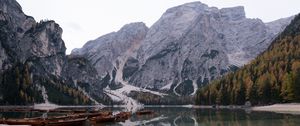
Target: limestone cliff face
(32, 56)
(109, 53)
(187, 47)
(105, 52)
(23, 39)
(192, 44)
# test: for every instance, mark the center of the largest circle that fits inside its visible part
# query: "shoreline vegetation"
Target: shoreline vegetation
(284, 108)
(279, 107)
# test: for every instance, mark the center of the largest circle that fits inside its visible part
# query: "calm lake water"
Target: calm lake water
(181, 116)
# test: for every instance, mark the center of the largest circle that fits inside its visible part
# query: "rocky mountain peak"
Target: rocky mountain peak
(194, 43)
(104, 51)
(134, 27)
(48, 40)
(196, 6)
(233, 13)
(10, 6)
(278, 25)
(35, 52)
(177, 21)
(187, 47)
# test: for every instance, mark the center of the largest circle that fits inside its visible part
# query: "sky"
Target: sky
(84, 20)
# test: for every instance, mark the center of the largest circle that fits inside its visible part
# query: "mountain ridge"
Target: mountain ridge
(189, 46)
(167, 59)
(34, 66)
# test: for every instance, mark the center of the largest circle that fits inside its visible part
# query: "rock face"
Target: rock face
(105, 51)
(32, 57)
(187, 47)
(109, 53)
(192, 43)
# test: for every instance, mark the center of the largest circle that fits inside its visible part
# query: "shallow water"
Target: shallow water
(182, 116)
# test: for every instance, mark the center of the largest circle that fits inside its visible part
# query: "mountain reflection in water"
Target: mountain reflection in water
(181, 116)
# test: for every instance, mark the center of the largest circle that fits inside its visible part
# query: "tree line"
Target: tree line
(273, 77)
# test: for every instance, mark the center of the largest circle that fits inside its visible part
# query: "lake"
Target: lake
(180, 116)
(183, 116)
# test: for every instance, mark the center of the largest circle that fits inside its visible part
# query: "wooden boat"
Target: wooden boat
(1, 121)
(59, 117)
(82, 115)
(70, 119)
(91, 115)
(67, 122)
(80, 111)
(144, 112)
(24, 122)
(102, 119)
(61, 111)
(122, 116)
(53, 121)
(108, 113)
(108, 117)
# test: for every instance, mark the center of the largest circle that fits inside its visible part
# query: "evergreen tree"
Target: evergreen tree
(274, 76)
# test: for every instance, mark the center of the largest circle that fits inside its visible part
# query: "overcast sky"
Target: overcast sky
(84, 20)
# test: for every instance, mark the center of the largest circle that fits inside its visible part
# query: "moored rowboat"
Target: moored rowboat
(68, 122)
(24, 122)
(102, 119)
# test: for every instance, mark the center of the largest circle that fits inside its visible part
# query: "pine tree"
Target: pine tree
(274, 76)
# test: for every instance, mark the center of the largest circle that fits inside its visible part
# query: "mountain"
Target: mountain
(109, 52)
(34, 67)
(272, 77)
(189, 46)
